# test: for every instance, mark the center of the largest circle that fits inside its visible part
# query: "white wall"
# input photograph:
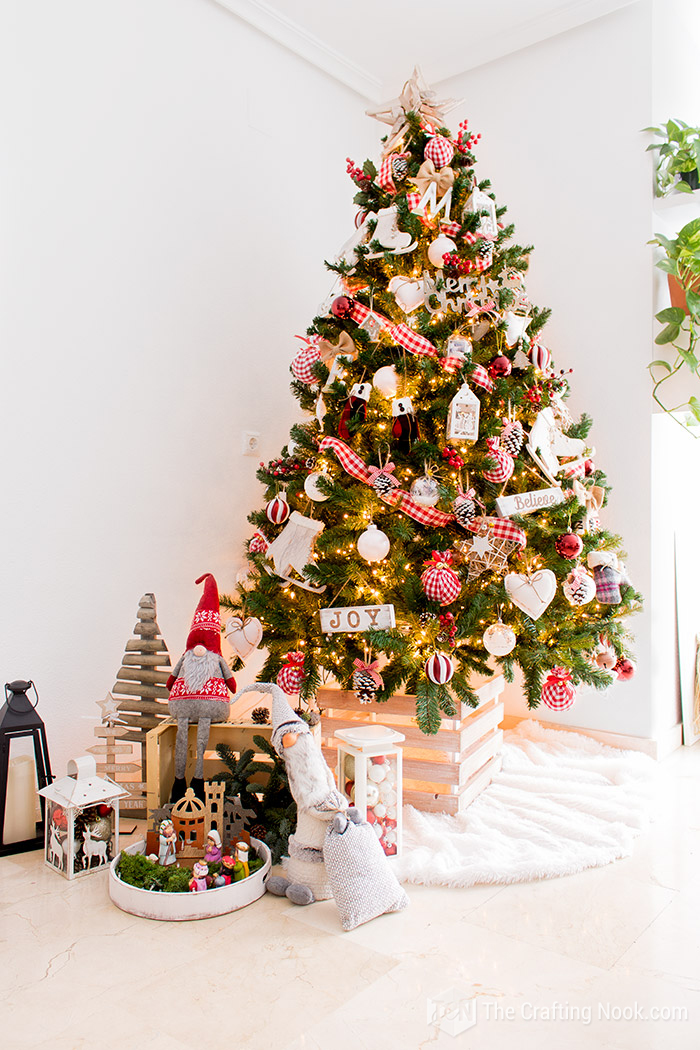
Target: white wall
(562, 146)
(171, 183)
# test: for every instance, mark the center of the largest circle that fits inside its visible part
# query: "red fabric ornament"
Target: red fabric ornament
(258, 543)
(568, 545)
(624, 669)
(291, 674)
(440, 582)
(342, 306)
(303, 362)
(504, 463)
(500, 367)
(439, 668)
(439, 150)
(277, 510)
(558, 692)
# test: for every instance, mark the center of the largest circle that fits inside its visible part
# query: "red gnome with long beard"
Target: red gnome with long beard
(199, 687)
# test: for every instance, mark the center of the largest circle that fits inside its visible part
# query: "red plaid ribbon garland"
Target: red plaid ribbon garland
(357, 468)
(413, 200)
(575, 470)
(502, 529)
(360, 313)
(480, 376)
(451, 229)
(385, 178)
(413, 341)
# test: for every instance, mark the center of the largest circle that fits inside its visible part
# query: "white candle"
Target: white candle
(21, 805)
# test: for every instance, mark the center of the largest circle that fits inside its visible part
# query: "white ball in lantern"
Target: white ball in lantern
(386, 381)
(425, 491)
(439, 247)
(378, 829)
(379, 811)
(376, 774)
(499, 639)
(372, 794)
(349, 765)
(373, 544)
(391, 812)
(311, 487)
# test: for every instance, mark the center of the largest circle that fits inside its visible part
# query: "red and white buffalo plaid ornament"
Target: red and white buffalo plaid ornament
(258, 543)
(302, 364)
(439, 668)
(439, 150)
(291, 674)
(503, 462)
(558, 692)
(439, 581)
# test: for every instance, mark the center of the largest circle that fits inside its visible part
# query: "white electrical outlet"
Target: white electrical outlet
(251, 442)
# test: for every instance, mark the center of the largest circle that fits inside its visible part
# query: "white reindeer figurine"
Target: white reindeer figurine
(55, 856)
(93, 848)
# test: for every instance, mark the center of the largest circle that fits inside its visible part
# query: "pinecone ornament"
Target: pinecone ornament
(366, 680)
(384, 483)
(464, 507)
(260, 716)
(512, 437)
(257, 831)
(399, 167)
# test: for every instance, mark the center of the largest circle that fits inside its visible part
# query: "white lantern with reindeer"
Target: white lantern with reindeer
(369, 774)
(82, 820)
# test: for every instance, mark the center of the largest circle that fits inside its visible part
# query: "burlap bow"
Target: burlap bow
(345, 346)
(591, 498)
(428, 173)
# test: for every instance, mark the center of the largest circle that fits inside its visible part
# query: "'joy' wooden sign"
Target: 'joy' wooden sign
(352, 618)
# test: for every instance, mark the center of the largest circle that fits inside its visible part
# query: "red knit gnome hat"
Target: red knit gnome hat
(206, 622)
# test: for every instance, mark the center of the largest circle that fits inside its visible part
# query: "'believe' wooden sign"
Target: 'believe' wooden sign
(526, 502)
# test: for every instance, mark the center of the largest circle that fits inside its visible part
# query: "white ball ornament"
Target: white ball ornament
(391, 812)
(439, 247)
(311, 486)
(425, 491)
(379, 811)
(371, 794)
(376, 774)
(499, 639)
(373, 544)
(386, 381)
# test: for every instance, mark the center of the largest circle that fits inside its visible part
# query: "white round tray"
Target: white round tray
(178, 907)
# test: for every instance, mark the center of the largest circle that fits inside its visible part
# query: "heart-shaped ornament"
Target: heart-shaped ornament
(408, 294)
(531, 593)
(243, 635)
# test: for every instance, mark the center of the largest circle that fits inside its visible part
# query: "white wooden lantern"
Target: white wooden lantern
(82, 820)
(478, 201)
(370, 775)
(463, 416)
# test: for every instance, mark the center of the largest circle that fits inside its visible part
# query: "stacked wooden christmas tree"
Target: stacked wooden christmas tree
(139, 687)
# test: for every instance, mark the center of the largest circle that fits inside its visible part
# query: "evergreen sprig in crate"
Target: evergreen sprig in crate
(442, 773)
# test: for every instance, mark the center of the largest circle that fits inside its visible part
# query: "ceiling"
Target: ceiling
(372, 45)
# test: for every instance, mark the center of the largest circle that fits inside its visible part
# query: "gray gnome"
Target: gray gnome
(316, 795)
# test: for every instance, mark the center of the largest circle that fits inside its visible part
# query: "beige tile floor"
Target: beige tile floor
(583, 961)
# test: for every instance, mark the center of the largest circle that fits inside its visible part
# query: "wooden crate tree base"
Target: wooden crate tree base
(443, 773)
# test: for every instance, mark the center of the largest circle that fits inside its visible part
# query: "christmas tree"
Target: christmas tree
(438, 512)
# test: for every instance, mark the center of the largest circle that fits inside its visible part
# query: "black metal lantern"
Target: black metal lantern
(18, 719)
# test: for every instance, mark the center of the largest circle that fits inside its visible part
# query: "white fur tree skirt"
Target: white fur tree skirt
(562, 803)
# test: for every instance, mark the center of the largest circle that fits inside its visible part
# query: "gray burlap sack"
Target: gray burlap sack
(363, 884)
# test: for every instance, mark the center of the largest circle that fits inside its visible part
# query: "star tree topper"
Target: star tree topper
(418, 98)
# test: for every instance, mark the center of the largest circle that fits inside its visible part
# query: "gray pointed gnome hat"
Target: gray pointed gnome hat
(284, 719)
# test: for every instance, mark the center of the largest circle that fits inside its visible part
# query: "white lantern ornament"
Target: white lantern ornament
(82, 819)
(373, 544)
(369, 774)
(463, 416)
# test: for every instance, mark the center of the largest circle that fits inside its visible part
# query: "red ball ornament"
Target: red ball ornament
(558, 692)
(291, 675)
(439, 150)
(568, 545)
(500, 367)
(439, 581)
(342, 306)
(624, 669)
(588, 467)
(104, 810)
(277, 510)
(439, 668)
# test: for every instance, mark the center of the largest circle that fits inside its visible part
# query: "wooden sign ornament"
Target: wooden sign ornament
(349, 619)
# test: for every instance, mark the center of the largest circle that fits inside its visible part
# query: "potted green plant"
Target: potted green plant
(678, 157)
(681, 261)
